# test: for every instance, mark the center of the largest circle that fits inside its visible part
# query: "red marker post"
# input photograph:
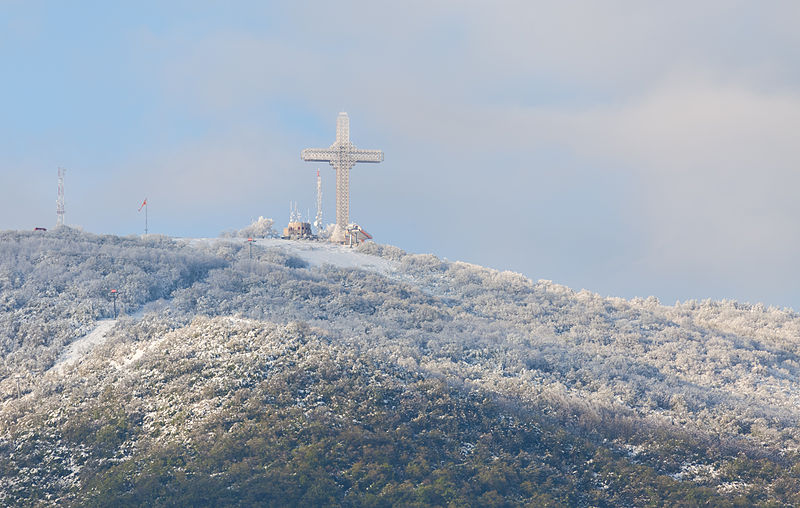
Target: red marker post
(250, 245)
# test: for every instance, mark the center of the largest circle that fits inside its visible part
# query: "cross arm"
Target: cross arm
(367, 155)
(318, 155)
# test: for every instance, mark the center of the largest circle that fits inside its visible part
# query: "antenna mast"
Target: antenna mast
(60, 200)
(318, 219)
(294, 214)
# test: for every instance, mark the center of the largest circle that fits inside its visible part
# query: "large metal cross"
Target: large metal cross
(342, 155)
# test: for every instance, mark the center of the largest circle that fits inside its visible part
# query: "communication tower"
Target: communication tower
(60, 200)
(318, 219)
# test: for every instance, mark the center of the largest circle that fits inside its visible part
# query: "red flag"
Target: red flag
(143, 204)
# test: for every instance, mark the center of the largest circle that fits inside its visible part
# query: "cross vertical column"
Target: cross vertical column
(342, 196)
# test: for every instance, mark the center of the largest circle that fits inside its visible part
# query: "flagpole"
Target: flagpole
(144, 205)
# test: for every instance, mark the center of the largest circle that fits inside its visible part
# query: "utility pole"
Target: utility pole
(114, 296)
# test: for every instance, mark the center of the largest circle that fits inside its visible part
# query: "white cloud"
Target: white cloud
(717, 165)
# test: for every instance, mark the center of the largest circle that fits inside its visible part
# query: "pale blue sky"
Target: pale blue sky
(630, 148)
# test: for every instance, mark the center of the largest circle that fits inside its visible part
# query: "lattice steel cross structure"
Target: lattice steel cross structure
(342, 155)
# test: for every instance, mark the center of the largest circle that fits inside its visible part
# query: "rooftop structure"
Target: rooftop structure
(297, 230)
(356, 235)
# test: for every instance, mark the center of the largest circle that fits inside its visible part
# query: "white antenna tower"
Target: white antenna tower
(60, 200)
(318, 219)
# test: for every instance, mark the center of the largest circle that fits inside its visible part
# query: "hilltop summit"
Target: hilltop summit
(317, 374)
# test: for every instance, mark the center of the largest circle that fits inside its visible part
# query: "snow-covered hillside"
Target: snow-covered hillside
(700, 400)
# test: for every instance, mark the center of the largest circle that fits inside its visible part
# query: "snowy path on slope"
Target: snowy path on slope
(84, 345)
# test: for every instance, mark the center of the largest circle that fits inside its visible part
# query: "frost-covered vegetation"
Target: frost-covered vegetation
(53, 286)
(278, 381)
(260, 228)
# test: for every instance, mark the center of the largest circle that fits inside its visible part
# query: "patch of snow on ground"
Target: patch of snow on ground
(321, 253)
(84, 345)
(127, 361)
(317, 253)
(696, 472)
(138, 354)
